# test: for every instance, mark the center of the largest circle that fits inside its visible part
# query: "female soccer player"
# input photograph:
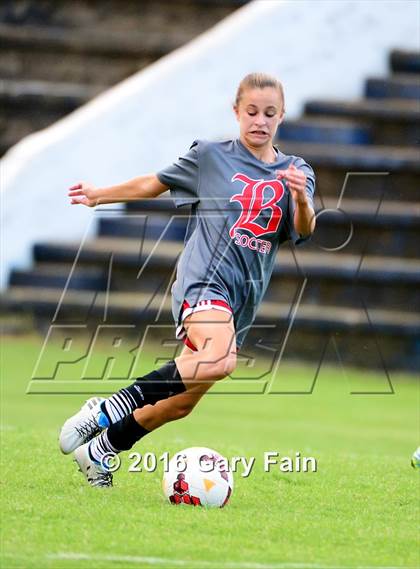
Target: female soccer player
(247, 198)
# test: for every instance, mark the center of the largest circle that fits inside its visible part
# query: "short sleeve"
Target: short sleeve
(295, 237)
(182, 177)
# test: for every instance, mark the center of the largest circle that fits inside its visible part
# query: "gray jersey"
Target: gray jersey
(240, 213)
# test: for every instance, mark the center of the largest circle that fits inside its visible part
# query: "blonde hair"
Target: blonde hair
(259, 81)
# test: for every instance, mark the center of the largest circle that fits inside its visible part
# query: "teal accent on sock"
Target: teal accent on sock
(103, 420)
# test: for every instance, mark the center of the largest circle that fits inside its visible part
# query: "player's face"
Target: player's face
(259, 113)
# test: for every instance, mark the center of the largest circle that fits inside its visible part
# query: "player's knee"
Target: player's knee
(230, 364)
(223, 367)
(181, 411)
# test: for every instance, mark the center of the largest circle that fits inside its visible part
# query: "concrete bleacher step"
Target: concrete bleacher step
(143, 226)
(127, 252)
(136, 304)
(132, 253)
(388, 229)
(333, 276)
(36, 104)
(387, 173)
(115, 14)
(324, 131)
(323, 286)
(392, 121)
(55, 275)
(398, 110)
(86, 44)
(391, 173)
(405, 61)
(353, 326)
(79, 56)
(92, 41)
(398, 86)
(55, 96)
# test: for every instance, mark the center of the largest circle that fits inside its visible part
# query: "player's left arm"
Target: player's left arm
(304, 216)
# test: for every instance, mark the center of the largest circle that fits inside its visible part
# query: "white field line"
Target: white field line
(167, 562)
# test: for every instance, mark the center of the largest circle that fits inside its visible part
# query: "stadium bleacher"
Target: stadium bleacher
(56, 56)
(358, 278)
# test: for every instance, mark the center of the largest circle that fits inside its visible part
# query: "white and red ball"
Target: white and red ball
(198, 476)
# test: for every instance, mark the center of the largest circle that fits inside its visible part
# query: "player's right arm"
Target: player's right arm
(142, 187)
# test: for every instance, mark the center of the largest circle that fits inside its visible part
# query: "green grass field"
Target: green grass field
(361, 509)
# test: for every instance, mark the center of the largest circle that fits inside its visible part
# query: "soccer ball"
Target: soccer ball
(198, 476)
(415, 459)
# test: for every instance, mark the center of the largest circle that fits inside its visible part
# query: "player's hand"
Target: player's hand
(83, 193)
(296, 182)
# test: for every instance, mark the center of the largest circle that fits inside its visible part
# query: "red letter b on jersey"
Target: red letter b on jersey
(253, 204)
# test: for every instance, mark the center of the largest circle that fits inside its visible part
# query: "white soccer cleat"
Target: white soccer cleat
(92, 402)
(82, 426)
(96, 474)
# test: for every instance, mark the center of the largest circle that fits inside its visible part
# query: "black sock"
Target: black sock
(119, 436)
(147, 390)
(125, 433)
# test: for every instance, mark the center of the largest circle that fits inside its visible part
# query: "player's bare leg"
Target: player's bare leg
(213, 332)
